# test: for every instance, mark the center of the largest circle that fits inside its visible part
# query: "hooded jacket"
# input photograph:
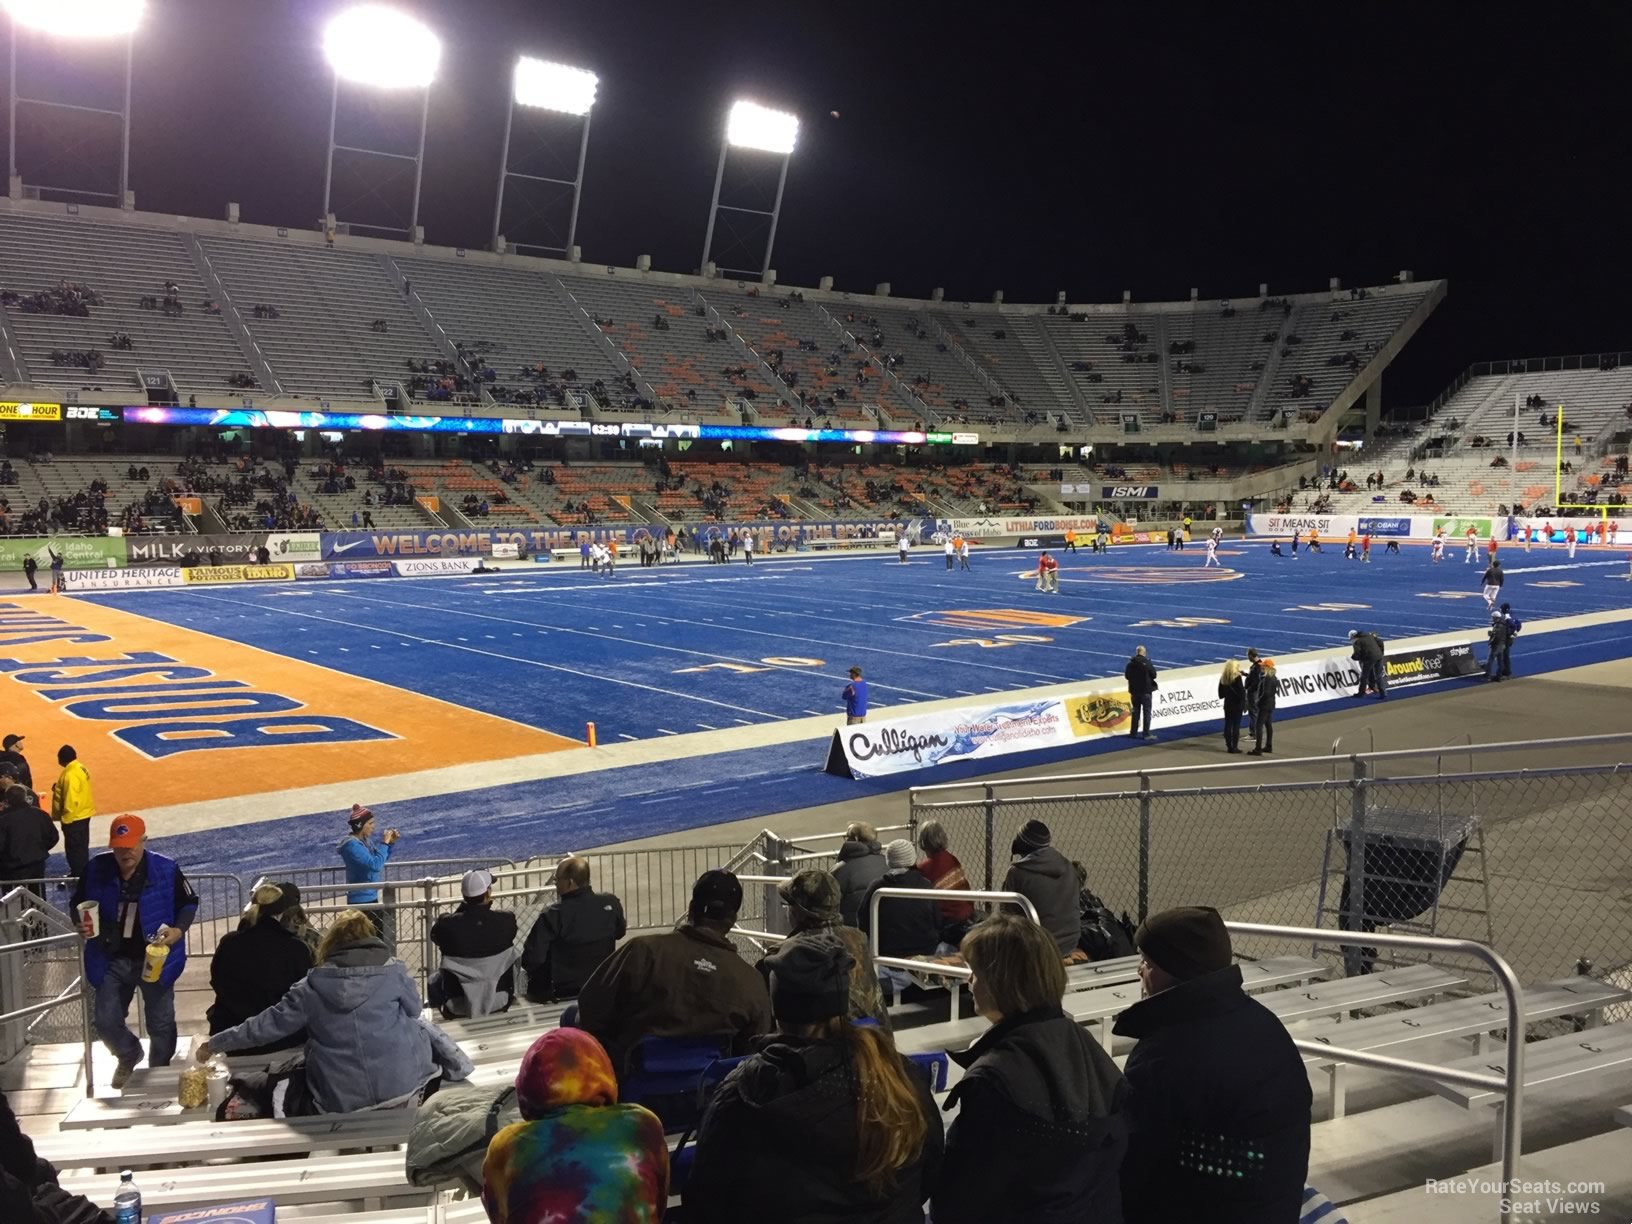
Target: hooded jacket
(1367, 648)
(452, 1130)
(781, 1130)
(71, 799)
(1140, 674)
(477, 943)
(1046, 878)
(578, 1156)
(1262, 687)
(365, 1043)
(1041, 1128)
(689, 982)
(253, 967)
(860, 866)
(1214, 1073)
(905, 928)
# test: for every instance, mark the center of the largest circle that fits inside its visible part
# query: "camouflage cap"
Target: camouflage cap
(815, 892)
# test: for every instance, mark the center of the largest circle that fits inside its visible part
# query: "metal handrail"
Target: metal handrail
(935, 896)
(1510, 1083)
(1619, 737)
(77, 992)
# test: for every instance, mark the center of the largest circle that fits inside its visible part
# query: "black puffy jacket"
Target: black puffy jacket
(252, 969)
(905, 928)
(1040, 1130)
(861, 865)
(778, 1142)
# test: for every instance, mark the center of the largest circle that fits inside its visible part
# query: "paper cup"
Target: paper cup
(94, 911)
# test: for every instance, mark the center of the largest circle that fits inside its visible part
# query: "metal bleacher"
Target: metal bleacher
(122, 265)
(321, 343)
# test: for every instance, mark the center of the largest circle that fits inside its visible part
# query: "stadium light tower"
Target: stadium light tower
(377, 47)
(557, 90)
(81, 21)
(754, 129)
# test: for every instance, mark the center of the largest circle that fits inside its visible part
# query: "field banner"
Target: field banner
(904, 745)
(195, 576)
(131, 578)
(433, 567)
(344, 569)
(1380, 526)
(1457, 528)
(77, 552)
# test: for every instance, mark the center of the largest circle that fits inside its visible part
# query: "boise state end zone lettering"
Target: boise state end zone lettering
(168, 707)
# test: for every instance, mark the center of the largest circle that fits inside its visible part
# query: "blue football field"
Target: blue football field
(668, 651)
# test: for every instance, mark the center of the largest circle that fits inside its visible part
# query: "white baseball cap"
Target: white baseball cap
(475, 884)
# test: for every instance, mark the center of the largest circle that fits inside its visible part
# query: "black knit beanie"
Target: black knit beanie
(1033, 836)
(810, 979)
(1186, 942)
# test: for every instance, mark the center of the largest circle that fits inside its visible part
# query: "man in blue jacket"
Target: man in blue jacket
(141, 898)
(365, 860)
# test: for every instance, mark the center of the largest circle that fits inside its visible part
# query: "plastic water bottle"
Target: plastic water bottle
(127, 1203)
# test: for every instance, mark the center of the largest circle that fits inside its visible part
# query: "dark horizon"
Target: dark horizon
(1154, 150)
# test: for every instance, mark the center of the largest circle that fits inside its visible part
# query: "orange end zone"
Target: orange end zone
(139, 698)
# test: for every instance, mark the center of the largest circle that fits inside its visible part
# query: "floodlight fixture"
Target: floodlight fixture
(753, 129)
(88, 19)
(544, 85)
(379, 47)
(554, 87)
(81, 21)
(382, 47)
(752, 126)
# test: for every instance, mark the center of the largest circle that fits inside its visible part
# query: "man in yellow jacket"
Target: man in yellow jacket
(71, 803)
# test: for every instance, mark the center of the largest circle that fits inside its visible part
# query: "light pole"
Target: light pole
(562, 90)
(755, 129)
(381, 48)
(82, 21)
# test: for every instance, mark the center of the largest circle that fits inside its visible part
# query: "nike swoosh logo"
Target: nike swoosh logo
(340, 548)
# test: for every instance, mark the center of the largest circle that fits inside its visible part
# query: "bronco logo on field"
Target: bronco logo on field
(994, 618)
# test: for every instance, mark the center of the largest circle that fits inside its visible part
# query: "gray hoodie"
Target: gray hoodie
(1047, 879)
(365, 1042)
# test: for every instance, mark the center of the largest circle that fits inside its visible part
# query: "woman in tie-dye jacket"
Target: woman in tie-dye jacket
(578, 1156)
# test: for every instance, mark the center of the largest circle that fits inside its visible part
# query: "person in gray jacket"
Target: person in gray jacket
(860, 866)
(1046, 878)
(477, 943)
(365, 1042)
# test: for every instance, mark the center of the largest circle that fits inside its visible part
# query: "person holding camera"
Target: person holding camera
(365, 859)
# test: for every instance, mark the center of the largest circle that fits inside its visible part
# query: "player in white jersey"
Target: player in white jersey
(901, 546)
(963, 553)
(1438, 551)
(1472, 537)
(1212, 551)
(951, 551)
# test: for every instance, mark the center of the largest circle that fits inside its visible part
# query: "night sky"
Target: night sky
(1143, 146)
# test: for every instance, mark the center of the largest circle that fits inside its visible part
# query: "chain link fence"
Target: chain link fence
(1536, 862)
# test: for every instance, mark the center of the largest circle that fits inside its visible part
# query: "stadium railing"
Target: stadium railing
(28, 928)
(1539, 848)
(954, 973)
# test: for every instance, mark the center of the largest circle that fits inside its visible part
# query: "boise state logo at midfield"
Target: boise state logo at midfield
(1138, 575)
(993, 618)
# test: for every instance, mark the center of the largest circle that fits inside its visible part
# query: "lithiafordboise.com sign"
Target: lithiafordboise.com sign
(903, 745)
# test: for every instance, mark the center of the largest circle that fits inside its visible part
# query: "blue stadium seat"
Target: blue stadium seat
(665, 1072)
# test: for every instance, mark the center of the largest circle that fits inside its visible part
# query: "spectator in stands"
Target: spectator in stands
(812, 898)
(73, 806)
(904, 927)
(943, 871)
(1042, 1125)
(12, 753)
(365, 861)
(860, 865)
(688, 982)
(827, 1122)
(477, 943)
(1232, 691)
(254, 966)
(577, 1154)
(141, 899)
(29, 1193)
(365, 1042)
(1213, 1071)
(27, 836)
(572, 936)
(1046, 878)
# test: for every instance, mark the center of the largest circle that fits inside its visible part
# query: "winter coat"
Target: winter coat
(1262, 687)
(1233, 695)
(944, 872)
(688, 982)
(254, 967)
(579, 1163)
(452, 1130)
(781, 1131)
(1367, 648)
(26, 838)
(1214, 1072)
(477, 943)
(365, 1043)
(25, 775)
(365, 864)
(1140, 674)
(1041, 1128)
(905, 928)
(71, 799)
(568, 943)
(860, 866)
(1046, 878)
